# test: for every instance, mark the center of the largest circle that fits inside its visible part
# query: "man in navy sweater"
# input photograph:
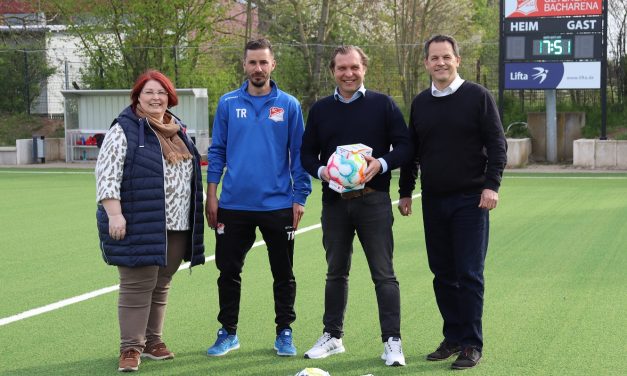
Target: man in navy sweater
(356, 115)
(460, 149)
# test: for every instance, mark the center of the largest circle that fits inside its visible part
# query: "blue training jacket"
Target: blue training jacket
(260, 150)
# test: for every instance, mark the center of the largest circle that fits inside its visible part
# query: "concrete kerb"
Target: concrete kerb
(562, 168)
(54, 165)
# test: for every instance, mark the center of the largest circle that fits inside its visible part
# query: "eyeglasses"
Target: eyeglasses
(150, 93)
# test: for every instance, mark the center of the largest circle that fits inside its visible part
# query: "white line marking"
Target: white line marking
(49, 172)
(106, 290)
(57, 305)
(73, 300)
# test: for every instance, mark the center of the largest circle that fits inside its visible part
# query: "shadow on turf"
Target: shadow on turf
(237, 363)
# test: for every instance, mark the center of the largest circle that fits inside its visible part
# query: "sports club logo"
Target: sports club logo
(220, 228)
(276, 114)
(527, 6)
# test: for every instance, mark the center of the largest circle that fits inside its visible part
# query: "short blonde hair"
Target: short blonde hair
(346, 49)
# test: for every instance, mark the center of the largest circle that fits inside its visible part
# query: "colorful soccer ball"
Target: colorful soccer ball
(312, 372)
(347, 172)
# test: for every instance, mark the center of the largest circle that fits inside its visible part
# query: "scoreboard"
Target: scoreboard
(553, 39)
(561, 39)
(536, 34)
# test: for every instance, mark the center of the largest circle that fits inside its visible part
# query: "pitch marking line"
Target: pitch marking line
(106, 290)
(50, 172)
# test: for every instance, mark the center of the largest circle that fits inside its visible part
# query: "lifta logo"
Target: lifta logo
(527, 6)
(541, 74)
(546, 76)
(518, 76)
(276, 114)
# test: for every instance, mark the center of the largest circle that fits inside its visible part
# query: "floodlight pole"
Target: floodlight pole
(501, 61)
(604, 74)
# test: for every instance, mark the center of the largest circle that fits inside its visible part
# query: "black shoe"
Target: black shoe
(468, 358)
(444, 351)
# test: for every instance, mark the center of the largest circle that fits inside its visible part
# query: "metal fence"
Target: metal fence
(291, 74)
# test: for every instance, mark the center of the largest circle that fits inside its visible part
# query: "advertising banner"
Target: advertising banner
(545, 76)
(552, 8)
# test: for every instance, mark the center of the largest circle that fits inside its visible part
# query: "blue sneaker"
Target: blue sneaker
(283, 344)
(224, 343)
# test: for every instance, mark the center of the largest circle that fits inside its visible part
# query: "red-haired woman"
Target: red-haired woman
(150, 212)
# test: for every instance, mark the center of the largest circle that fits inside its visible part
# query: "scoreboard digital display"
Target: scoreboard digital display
(552, 46)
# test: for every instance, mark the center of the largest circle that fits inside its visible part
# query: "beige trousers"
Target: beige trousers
(144, 296)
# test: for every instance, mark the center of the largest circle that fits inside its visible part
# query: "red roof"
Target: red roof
(16, 6)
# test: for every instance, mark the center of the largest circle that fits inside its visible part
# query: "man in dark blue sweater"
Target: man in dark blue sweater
(460, 149)
(353, 115)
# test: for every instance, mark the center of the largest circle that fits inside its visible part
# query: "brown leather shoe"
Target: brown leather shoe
(468, 358)
(157, 351)
(444, 351)
(129, 361)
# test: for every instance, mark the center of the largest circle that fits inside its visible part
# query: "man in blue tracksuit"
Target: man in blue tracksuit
(257, 134)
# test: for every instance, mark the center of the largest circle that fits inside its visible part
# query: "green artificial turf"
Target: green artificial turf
(555, 297)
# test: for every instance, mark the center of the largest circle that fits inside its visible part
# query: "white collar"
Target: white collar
(361, 92)
(450, 89)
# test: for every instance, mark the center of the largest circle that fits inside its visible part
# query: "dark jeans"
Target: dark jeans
(371, 218)
(235, 236)
(456, 235)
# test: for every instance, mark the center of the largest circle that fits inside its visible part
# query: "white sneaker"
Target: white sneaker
(393, 352)
(326, 345)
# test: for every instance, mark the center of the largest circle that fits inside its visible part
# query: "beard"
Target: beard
(258, 81)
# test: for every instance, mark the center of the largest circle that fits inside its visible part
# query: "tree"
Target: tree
(23, 69)
(413, 22)
(310, 31)
(485, 20)
(617, 40)
(304, 26)
(123, 38)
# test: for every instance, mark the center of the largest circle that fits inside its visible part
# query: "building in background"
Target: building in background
(21, 24)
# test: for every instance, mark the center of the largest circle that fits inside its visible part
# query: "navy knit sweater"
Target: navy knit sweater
(458, 143)
(373, 120)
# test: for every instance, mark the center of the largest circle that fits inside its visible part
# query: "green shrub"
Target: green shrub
(18, 126)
